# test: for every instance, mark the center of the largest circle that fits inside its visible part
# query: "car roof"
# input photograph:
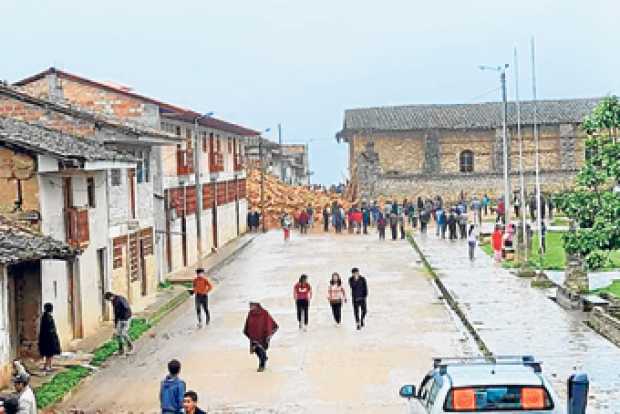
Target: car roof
(491, 374)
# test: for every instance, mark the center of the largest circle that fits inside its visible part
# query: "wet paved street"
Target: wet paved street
(513, 318)
(328, 369)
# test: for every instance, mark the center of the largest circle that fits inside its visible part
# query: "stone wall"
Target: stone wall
(605, 324)
(411, 163)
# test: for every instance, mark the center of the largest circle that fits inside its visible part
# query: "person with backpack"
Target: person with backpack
(302, 293)
(172, 390)
(259, 328)
(122, 321)
(336, 295)
(359, 293)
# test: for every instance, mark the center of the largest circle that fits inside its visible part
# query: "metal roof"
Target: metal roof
(19, 243)
(465, 116)
(42, 140)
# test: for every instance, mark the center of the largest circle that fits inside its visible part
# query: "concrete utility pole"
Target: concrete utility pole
(197, 183)
(521, 176)
(262, 180)
(537, 141)
(502, 78)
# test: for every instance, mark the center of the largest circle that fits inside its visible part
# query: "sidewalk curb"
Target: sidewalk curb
(153, 319)
(454, 305)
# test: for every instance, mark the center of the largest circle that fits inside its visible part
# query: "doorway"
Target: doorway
(24, 287)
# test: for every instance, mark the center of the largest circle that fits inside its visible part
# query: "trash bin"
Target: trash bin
(578, 386)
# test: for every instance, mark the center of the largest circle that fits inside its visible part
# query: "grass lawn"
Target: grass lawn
(555, 257)
(559, 221)
(613, 289)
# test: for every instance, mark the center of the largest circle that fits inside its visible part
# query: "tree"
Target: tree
(594, 203)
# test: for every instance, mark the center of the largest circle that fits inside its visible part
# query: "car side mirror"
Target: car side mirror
(407, 391)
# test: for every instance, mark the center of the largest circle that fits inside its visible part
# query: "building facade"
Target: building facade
(288, 162)
(192, 217)
(128, 260)
(428, 150)
(54, 185)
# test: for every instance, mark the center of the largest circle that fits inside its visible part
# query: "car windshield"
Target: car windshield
(498, 398)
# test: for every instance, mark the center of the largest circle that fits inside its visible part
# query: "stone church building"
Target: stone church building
(428, 150)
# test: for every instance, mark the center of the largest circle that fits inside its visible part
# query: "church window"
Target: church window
(466, 161)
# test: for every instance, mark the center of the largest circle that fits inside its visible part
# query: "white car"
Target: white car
(498, 385)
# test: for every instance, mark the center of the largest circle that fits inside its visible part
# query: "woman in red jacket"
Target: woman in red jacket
(496, 243)
(302, 293)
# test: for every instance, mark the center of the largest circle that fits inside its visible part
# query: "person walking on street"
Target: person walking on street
(365, 219)
(359, 293)
(485, 204)
(302, 293)
(259, 328)
(285, 222)
(202, 286)
(471, 241)
(442, 222)
(543, 232)
(190, 403)
(336, 295)
(303, 221)
(49, 344)
(26, 400)
(476, 207)
(401, 223)
(439, 214)
(451, 222)
(501, 209)
(172, 390)
(381, 226)
(516, 203)
(122, 321)
(310, 212)
(394, 224)
(424, 219)
(462, 220)
(326, 218)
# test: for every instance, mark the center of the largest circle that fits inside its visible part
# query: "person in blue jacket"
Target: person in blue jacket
(172, 390)
(442, 222)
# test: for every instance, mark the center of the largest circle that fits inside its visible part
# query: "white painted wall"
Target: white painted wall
(55, 290)
(226, 223)
(52, 223)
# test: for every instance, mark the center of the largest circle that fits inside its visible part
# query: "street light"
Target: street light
(262, 178)
(197, 183)
(502, 78)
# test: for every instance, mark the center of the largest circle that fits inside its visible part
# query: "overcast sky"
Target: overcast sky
(301, 63)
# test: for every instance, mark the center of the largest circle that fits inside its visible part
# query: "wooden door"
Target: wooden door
(131, 174)
(143, 279)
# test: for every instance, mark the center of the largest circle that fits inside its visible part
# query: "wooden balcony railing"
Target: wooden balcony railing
(216, 162)
(185, 162)
(77, 228)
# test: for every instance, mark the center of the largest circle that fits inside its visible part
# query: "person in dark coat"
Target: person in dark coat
(122, 321)
(452, 225)
(359, 293)
(259, 328)
(49, 344)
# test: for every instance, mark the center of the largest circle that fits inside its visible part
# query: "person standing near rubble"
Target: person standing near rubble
(285, 222)
(326, 218)
(122, 321)
(49, 344)
(381, 226)
(303, 221)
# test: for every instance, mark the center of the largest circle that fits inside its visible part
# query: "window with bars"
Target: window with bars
(466, 161)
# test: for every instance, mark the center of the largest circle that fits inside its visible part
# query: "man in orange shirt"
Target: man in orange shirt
(202, 287)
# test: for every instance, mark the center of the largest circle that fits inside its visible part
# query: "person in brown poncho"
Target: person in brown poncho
(259, 328)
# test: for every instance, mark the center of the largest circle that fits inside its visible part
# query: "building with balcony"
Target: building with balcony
(288, 162)
(54, 185)
(192, 216)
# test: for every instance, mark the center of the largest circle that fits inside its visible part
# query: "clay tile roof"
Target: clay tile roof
(41, 140)
(19, 243)
(465, 116)
(210, 122)
(82, 113)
